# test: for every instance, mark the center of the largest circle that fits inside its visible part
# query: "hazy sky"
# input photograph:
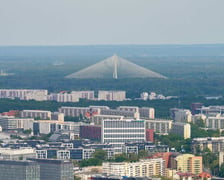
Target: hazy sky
(78, 22)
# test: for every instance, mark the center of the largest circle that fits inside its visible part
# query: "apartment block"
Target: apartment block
(24, 94)
(181, 129)
(84, 94)
(77, 111)
(116, 112)
(40, 114)
(63, 97)
(189, 163)
(143, 168)
(112, 95)
(160, 126)
(214, 144)
(10, 123)
(147, 113)
(181, 115)
(97, 119)
(215, 122)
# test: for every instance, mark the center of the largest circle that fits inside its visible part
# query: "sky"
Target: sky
(93, 22)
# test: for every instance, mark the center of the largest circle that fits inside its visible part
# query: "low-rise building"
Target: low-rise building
(17, 154)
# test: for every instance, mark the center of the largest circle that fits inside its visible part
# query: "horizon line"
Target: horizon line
(66, 45)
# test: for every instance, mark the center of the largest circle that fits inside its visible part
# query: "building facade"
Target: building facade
(181, 129)
(118, 132)
(144, 168)
(160, 126)
(19, 170)
(112, 95)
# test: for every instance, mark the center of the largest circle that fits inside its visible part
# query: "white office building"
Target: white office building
(118, 132)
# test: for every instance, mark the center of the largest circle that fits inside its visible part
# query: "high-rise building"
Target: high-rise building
(19, 170)
(55, 169)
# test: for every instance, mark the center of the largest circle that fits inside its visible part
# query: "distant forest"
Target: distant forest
(193, 71)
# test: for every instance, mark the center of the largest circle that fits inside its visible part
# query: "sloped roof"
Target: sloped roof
(114, 67)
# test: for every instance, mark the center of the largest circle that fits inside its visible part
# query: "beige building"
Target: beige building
(181, 129)
(189, 163)
(143, 168)
(112, 95)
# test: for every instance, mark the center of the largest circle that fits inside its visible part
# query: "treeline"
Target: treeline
(162, 107)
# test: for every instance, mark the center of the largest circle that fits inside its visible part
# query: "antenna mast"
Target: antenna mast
(115, 67)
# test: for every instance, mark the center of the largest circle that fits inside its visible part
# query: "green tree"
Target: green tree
(100, 154)
(221, 170)
(142, 154)
(120, 158)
